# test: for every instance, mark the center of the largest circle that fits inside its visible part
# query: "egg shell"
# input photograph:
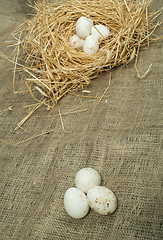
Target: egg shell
(76, 203)
(87, 178)
(76, 42)
(102, 200)
(83, 27)
(97, 29)
(91, 45)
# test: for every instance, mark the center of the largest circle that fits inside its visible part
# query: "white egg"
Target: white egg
(83, 27)
(76, 203)
(76, 42)
(100, 29)
(102, 200)
(91, 45)
(87, 178)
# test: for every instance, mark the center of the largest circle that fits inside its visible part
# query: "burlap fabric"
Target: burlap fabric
(121, 137)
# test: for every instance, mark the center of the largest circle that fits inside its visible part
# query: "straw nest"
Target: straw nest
(53, 68)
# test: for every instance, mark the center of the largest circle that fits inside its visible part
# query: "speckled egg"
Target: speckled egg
(102, 200)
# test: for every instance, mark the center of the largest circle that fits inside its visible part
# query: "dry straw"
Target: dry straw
(53, 68)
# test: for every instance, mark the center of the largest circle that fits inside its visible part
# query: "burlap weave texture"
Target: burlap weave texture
(120, 136)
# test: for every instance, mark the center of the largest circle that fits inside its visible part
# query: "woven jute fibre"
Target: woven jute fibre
(120, 136)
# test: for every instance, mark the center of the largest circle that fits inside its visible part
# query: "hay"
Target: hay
(53, 68)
